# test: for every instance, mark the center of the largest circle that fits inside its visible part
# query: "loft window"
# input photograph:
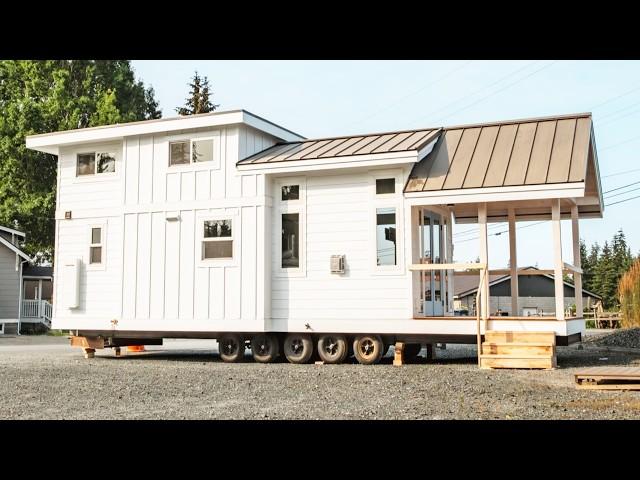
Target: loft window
(290, 192)
(217, 239)
(95, 163)
(185, 152)
(385, 186)
(95, 247)
(386, 251)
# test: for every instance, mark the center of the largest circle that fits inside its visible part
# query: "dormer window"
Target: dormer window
(185, 152)
(95, 163)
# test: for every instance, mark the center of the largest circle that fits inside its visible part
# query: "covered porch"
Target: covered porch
(521, 171)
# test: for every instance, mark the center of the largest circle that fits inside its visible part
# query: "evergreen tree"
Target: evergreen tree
(47, 96)
(199, 100)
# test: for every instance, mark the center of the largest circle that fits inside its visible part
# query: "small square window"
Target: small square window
(96, 255)
(179, 153)
(385, 185)
(290, 192)
(106, 162)
(217, 239)
(202, 150)
(86, 164)
(96, 233)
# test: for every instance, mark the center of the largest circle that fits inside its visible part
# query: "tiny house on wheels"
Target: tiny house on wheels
(228, 226)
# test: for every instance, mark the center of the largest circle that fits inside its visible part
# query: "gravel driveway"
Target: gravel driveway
(44, 378)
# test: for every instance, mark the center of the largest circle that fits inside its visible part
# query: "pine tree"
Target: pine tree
(199, 100)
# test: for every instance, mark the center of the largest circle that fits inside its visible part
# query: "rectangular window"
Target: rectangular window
(185, 152)
(290, 192)
(385, 185)
(95, 248)
(386, 236)
(95, 163)
(290, 240)
(217, 239)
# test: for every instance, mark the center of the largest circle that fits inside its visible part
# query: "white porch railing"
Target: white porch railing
(37, 309)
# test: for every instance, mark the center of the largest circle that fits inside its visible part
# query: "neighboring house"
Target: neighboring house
(228, 226)
(25, 290)
(536, 294)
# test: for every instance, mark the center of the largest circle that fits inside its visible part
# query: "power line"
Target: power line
(622, 201)
(504, 231)
(472, 94)
(621, 173)
(632, 139)
(623, 193)
(392, 104)
(620, 188)
(616, 97)
(498, 91)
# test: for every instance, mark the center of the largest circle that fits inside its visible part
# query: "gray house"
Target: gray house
(536, 294)
(25, 290)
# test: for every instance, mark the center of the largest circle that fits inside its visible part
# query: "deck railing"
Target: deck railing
(37, 309)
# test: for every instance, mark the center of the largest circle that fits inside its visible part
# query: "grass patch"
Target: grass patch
(58, 333)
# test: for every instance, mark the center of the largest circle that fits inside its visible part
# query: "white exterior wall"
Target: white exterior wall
(339, 218)
(152, 277)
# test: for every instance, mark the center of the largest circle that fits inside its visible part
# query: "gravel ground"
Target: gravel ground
(624, 338)
(44, 378)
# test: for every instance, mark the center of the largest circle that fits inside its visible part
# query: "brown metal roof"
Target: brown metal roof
(517, 152)
(345, 146)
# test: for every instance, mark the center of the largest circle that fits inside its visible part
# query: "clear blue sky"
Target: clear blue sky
(329, 98)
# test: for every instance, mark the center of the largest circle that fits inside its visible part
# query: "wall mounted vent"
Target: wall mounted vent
(337, 263)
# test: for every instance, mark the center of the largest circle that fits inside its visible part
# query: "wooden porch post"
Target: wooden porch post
(577, 277)
(450, 260)
(484, 257)
(557, 253)
(513, 257)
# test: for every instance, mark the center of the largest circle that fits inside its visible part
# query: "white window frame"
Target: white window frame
(291, 206)
(235, 237)
(386, 200)
(115, 148)
(214, 164)
(103, 244)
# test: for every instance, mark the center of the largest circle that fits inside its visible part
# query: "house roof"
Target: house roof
(465, 285)
(50, 142)
(11, 230)
(522, 152)
(345, 146)
(13, 248)
(37, 271)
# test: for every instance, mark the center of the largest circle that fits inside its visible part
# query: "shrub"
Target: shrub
(629, 291)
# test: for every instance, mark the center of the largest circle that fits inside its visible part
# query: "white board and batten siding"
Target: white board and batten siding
(339, 219)
(153, 277)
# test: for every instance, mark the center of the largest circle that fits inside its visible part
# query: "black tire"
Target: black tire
(231, 348)
(368, 349)
(298, 347)
(265, 348)
(411, 352)
(332, 348)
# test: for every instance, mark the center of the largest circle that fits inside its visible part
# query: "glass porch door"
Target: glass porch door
(432, 241)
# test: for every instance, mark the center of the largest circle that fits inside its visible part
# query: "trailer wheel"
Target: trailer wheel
(333, 348)
(265, 348)
(231, 348)
(298, 347)
(368, 349)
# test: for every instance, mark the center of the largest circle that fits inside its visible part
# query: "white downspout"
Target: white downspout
(20, 297)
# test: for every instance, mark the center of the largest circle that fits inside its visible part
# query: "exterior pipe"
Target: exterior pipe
(20, 296)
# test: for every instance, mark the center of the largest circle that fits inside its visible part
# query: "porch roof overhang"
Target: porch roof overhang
(521, 164)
